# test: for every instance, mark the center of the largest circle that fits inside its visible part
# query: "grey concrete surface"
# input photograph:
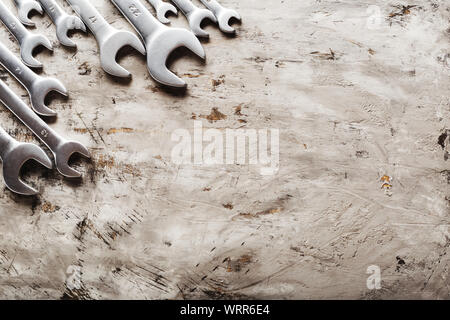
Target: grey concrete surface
(360, 94)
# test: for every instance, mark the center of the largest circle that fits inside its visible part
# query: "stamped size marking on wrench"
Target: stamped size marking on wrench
(109, 39)
(28, 41)
(14, 155)
(162, 9)
(61, 148)
(24, 8)
(195, 16)
(38, 87)
(159, 39)
(63, 22)
(222, 14)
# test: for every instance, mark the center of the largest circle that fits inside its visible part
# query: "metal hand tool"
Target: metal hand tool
(61, 148)
(14, 154)
(38, 87)
(24, 9)
(195, 16)
(162, 8)
(159, 39)
(28, 41)
(62, 21)
(222, 14)
(109, 39)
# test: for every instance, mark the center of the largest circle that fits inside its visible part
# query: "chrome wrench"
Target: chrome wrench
(14, 154)
(195, 16)
(28, 41)
(38, 87)
(61, 148)
(162, 8)
(24, 8)
(222, 14)
(109, 39)
(62, 21)
(159, 39)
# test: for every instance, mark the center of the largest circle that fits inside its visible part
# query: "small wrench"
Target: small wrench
(162, 8)
(159, 39)
(24, 9)
(28, 41)
(222, 14)
(62, 21)
(195, 16)
(14, 154)
(38, 87)
(109, 39)
(61, 148)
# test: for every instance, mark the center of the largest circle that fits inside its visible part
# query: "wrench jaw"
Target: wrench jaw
(40, 89)
(196, 18)
(224, 18)
(24, 10)
(64, 25)
(14, 161)
(62, 156)
(162, 11)
(110, 47)
(31, 42)
(160, 46)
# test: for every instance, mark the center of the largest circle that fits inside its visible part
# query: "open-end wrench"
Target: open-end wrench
(159, 39)
(109, 39)
(38, 87)
(162, 8)
(62, 21)
(24, 8)
(195, 16)
(28, 41)
(14, 154)
(61, 148)
(222, 14)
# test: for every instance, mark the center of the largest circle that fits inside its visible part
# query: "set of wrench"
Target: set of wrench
(157, 41)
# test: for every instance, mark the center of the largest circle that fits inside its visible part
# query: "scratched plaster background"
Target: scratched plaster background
(364, 171)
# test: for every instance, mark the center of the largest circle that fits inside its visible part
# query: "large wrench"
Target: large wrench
(62, 21)
(109, 39)
(24, 8)
(222, 14)
(28, 41)
(14, 154)
(159, 39)
(61, 148)
(38, 87)
(162, 8)
(195, 16)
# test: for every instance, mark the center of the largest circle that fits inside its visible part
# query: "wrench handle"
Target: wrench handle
(13, 24)
(16, 67)
(91, 17)
(53, 10)
(155, 3)
(138, 15)
(5, 142)
(212, 5)
(185, 6)
(41, 129)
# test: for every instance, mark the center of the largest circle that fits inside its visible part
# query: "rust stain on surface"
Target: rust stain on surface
(215, 115)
